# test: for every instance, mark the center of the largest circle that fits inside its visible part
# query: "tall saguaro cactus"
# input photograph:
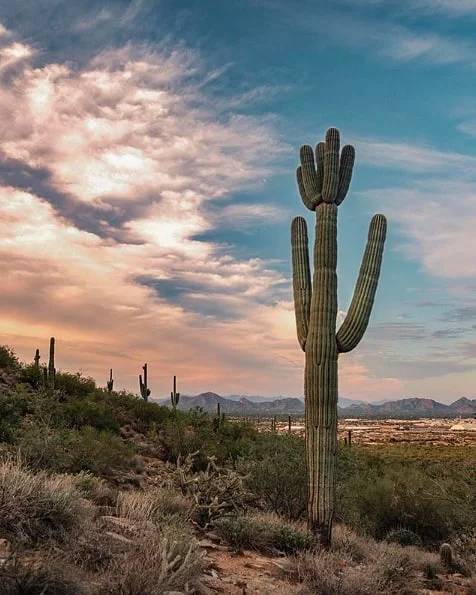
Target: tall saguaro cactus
(144, 390)
(51, 366)
(110, 382)
(174, 395)
(323, 183)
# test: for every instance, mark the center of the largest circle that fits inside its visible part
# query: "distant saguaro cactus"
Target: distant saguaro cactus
(110, 382)
(144, 390)
(174, 395)
(323, 184)
(51, 366)
(37, 359)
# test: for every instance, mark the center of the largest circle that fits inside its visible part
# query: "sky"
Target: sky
(147, 180)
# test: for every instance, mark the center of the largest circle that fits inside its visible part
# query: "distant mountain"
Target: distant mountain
(343, 402)
(403, 408)
(243, 406)
(413, 407)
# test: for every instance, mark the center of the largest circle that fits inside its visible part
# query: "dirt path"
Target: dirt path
(245, 573)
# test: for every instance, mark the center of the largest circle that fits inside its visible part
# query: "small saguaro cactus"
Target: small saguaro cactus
(174, 395)
(51, 366)
(110, 382)
(446, 555)
(289, 424)
(144, 390)
(323, 183)
(37, 359)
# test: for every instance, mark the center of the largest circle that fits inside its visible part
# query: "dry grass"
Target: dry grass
(36, 506)
(160, 561)
(156, 505)
(264, 532)
(362, 566)
(18, 577)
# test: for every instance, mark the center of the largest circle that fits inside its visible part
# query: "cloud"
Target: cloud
(385, 38)
(412, 158)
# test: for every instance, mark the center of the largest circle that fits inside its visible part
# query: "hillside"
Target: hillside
(104, 493)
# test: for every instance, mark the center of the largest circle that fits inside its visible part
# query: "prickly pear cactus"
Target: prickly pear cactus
(323, 181)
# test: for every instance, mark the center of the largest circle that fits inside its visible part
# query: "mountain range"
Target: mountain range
(402, 408)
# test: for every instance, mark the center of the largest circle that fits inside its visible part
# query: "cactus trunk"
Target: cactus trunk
(323, 187)
(144, 390)
(51, 366)
(174, 395)
(321, 376)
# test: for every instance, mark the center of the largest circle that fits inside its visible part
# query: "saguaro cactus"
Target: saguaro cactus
(144, 390)
(323, 184)
(37, 359)
(51, 366)
(174, 395)
(110, 382)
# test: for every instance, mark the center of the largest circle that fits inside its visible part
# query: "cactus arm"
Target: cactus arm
(309, 176)
(330, 182)
(357, 319)
(345, 172)
(301, 278)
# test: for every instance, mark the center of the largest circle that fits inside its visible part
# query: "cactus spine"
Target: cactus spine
(110, 382)
(174, 395)
(144, 390)
(51, 366)
(323, 186)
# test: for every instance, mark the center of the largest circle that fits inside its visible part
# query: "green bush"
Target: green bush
(8, 359)
(81, 412)
(31, 375)
(387, 495)
(265, 533)
(74, 385)
(277, 474)
(70, 450)
(13, 406)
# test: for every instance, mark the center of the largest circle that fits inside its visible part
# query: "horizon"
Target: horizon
(147, 171)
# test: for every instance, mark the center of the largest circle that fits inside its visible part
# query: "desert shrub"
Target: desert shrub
(18, 577)
(402, 498)
(31, 375)
(128, 409)
(359, 565)
(193, 431)
(74, 385)
(266, 533)
(170, 560)
(403, 537)
(13, 406)
(155, 505)
(277, 474)
(81, 412)
(34, 507)
(8, 359)
(215, 492)
(70, 450)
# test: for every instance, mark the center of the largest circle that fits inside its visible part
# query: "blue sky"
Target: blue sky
(148, 152)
